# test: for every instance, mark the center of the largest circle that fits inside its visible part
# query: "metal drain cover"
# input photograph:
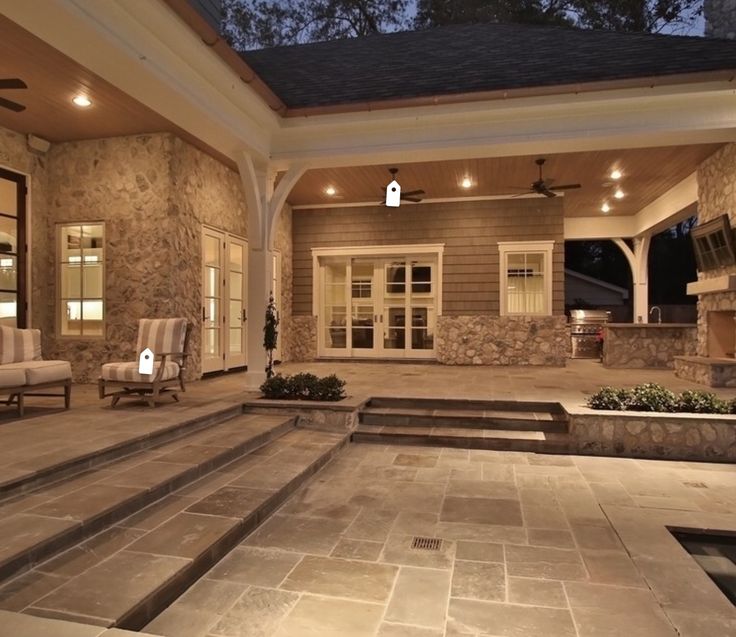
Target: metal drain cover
(426, 543)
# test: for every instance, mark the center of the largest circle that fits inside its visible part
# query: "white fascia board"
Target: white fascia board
(585, 228)
(586, 121)
(147, 51)
(669, 208)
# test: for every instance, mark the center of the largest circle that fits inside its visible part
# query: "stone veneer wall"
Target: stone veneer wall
(716, 196)
(636, 347)
(720, 18)
(15, 156)
(502, 340)
(304, 335)
(283, 244)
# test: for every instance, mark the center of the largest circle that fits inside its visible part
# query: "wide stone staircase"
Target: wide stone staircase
(540, 427)
(113, 539)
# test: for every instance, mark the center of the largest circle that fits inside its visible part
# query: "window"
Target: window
(713, 244)
(81, 279)
(526, 277)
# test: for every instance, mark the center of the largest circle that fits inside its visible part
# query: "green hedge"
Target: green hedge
(304, 386)
(653, 397)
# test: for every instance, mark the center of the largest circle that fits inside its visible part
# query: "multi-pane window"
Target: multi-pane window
(81, 279)
(526, 271)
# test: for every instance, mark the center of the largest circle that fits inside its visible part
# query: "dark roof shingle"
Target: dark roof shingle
(472, 58)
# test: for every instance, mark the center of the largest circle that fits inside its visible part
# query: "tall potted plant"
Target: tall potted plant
(270, 334)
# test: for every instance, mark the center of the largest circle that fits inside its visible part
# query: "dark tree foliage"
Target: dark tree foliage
(647, 16)
(672, 265)
(250, 24)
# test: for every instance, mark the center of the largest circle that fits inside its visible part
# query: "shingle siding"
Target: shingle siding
(470, 231)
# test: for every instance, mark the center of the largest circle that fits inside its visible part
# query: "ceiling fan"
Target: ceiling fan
(12, 83)
(545, 187)
(414, 196)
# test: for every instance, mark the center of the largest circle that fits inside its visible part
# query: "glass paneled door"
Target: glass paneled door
(377, 306)
(224, 261)
(12, 249)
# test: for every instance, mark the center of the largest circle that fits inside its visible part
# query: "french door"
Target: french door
(12, 249)
(378, 306)
(224, 260)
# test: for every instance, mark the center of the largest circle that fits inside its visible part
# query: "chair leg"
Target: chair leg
(67, 394)
(21, 405)
(115, 400)
(101, 388)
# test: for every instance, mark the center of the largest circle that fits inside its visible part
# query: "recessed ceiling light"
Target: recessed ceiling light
(82, 101)
(616, 174)
(605, 207)
(619, 194)
(330, 190)
(466, 182)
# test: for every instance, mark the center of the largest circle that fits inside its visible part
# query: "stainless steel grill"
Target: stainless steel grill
(584, 328)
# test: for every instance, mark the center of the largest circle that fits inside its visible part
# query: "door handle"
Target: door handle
(204, 314)
(243, 316)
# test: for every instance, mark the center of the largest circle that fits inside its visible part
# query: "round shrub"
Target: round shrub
(651, 397)
(609, 398)
(701, 402)
(303, 386)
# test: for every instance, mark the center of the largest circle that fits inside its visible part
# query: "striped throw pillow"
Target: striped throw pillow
(17, 346)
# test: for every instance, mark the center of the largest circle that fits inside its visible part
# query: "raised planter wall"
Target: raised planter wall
(696, 437)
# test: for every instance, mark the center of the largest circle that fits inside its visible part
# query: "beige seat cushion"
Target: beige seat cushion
(39, 372)
(129, 372)
(12, 377)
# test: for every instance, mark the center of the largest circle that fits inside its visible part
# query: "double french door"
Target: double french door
(12, 249)
(378, 306)
(224, 261)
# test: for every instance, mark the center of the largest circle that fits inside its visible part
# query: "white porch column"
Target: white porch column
(264, 202)
(638, 262)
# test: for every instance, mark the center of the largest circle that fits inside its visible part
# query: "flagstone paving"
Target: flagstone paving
(534, 546)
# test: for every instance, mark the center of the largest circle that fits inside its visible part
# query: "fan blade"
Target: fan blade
(12, 83)
(548, 193)
(13, 106)
(566, 187)
(412, 193)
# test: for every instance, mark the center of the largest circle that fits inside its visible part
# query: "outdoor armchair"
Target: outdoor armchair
(168, 339)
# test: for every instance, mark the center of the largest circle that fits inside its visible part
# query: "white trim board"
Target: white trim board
(374, 204)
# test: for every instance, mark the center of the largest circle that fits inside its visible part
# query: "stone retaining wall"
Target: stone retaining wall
(639, 347)
(644, 435)
(502, 340)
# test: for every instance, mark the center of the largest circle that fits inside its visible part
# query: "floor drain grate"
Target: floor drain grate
(426, 543)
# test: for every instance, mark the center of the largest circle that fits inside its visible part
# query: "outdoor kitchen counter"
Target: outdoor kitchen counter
(641, 345)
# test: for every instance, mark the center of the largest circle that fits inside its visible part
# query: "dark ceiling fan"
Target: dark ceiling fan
(12, 83)
(414, 196)
(545, 187)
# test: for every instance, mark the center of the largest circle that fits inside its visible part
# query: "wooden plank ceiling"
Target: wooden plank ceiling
(53, 79)
(647, 173)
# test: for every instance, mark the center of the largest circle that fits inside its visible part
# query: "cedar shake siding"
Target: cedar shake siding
(470, 231)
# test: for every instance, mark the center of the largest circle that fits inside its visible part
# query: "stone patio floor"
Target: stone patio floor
(532, 546)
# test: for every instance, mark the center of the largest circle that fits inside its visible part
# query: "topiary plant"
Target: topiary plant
(701, 402)
(609, 398)
(651, 397)
(270, 334)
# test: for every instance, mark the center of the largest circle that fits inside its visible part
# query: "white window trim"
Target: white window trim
(509, 247)
(434, 249)
(59, 228)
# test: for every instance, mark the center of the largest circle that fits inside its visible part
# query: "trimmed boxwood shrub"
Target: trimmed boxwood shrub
(653, 397)
(304, 386)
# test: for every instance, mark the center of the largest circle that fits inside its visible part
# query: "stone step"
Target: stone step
(464, 438)
(42, 523)
(501, 415)
(83, 455)
(126, 580)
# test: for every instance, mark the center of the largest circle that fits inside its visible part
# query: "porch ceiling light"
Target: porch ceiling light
(466, 182)
(616, 174)
(605, 207)
(330, 191)
(82, 101)
(619, 194)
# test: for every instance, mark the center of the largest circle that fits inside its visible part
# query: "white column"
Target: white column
(638, 262)
(264, 204)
